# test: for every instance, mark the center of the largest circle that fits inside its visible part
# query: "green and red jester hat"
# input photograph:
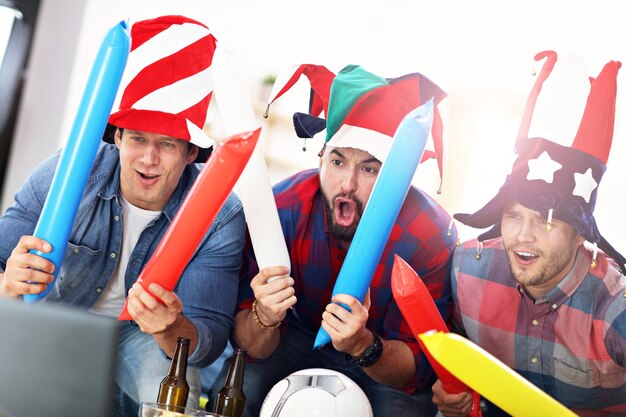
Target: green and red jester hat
(362, 110)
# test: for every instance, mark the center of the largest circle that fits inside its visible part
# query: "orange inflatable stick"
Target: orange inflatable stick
(421, 314)
(197, 212)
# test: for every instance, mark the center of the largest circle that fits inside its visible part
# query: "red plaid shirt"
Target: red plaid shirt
(419, 236)
(572, 345)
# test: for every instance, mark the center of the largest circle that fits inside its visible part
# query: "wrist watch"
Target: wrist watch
(371, 354)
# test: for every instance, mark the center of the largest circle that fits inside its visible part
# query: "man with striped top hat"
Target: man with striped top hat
(529, 291)
(319, 210)
(142, 172)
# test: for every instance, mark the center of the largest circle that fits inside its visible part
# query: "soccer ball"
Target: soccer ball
(316, 392)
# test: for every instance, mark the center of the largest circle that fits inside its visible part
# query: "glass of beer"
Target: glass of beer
(160, 410)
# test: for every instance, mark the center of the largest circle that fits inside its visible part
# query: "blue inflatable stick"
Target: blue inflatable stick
(381, 212)
(68, 184)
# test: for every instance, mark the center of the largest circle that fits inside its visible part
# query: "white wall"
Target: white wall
(480, 52)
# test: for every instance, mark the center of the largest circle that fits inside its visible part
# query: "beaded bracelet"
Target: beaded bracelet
(259, 322)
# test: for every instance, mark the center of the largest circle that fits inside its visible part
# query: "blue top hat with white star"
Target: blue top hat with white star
(560, 181)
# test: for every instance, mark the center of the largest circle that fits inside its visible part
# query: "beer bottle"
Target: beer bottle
(174, 389)
(230, 399)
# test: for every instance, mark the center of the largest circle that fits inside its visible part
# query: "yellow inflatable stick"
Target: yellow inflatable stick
(495, 381)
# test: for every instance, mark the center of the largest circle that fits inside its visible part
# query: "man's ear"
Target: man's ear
(192, 154)
(117, 137)
(321, 152)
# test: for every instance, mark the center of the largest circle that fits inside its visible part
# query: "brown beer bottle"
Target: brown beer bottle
(230, 399)
(174, 389)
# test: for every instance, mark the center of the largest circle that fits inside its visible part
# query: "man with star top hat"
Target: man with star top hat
(530, 290)
(320, 209)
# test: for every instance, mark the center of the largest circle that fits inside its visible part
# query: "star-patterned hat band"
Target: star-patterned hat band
(565, 172)
(552, 179)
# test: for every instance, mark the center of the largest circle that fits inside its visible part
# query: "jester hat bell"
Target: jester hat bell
(361, 109)
(167, 83)
(555, 180)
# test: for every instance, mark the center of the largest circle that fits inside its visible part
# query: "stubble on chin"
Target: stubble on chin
(525, 277)
(549, 269)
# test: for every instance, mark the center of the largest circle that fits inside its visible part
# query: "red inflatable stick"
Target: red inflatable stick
(421, 313)
(196, 214)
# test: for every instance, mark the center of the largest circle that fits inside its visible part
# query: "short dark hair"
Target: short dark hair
(203, 153)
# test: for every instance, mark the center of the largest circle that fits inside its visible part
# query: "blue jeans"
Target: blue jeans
(141, 367)
(295, 352)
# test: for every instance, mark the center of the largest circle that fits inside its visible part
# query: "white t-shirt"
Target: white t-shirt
(134, 221)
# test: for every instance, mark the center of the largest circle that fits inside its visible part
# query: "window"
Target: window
(7, 17)
(10, 52)
(17, 20)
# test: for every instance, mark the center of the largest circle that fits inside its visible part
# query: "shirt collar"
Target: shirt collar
(568, 285)
(111, 188)
(182, 189)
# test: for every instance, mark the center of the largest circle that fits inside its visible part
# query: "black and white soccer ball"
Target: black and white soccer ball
(316, 392)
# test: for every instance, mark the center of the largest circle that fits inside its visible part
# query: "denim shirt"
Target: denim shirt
(208, 285)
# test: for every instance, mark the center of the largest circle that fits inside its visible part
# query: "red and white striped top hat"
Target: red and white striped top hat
(167, 83)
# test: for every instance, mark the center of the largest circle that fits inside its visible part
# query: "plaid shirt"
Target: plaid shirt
(419, 236)
(572, 344)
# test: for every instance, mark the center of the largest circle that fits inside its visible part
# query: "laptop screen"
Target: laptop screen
(55, 361)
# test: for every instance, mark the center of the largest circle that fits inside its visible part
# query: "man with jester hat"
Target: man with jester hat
(320, 209)
(529, 290)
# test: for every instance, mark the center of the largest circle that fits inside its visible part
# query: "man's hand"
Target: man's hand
(347, 329)
(154, 315)
(27, 273)
(274, 293)
(451, 405)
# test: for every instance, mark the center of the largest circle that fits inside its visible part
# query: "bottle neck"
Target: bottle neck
(234, 378)
(178, 366)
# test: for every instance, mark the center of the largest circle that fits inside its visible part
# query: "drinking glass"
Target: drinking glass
(160, 410)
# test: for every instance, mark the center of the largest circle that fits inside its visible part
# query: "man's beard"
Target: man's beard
(554, 264)
(339, 232)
